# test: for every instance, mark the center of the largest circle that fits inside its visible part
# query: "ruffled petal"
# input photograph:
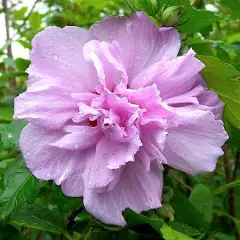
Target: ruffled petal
(195, 145)
(136, 189)
(57, 53)
(83, 138)
(142, 42)
(108, 60)
(46, 105)
(173, 78)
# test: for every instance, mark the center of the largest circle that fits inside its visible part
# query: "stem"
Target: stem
(28, 234)
(231, 200)
(67, 236)
(180, 181)
(38, 237)
(11, 81)
(237, 166)
(71, 217)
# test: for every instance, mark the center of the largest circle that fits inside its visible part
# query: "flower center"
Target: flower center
(121, 112)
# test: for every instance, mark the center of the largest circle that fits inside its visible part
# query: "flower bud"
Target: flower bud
(171, 16)
(166, 211)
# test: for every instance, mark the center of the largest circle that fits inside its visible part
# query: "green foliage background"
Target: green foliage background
(205, 206)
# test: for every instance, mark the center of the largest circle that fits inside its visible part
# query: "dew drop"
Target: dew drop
(75, 145)
(55, 56)
(105, 155)
(10, 135)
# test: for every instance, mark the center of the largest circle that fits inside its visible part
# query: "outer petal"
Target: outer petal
(44, 161)
(57, 53)
(45, 105)
(137, 189)
(85, 137)
(73, 185)
(142, 42)
(173, 78)
(210, 101)
(110, 156)
(195, 145)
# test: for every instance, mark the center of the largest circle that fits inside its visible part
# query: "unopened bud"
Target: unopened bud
(166, 211)
(172, 16)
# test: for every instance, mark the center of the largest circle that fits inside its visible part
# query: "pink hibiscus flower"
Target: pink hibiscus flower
(109, 106)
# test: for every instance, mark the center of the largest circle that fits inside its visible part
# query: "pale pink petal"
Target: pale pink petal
(154, 138)
(107, 59)
(85, 137)
(45, 105)
(209, 100)
(173, 78)
(103, 168)
(195, 145)
(142, 42)
(136, 189)
(45, 161)
(73, 185)
(190, 97)
(57, 53)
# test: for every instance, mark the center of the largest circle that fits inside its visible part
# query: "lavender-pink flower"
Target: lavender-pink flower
(108, 107)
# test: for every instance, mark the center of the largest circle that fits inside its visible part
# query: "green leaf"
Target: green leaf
(185, 229)
(35, 20)
(186, 213)
(95, 3)
(9, 62)
(6, 76)
(201, 198)
(9, 137)
(6, 113)
(134, 219)
(19, 14)
(216, 68)
(33, 216)
(222, 236)
(22, 64)
(83, 217)
(218, 77)
(142, 5)
(227, 186)
(65, 204)
(170, 234)
(20, 187)
(190, 22)
(25, 44)
(9, 232)
(233, 7)
(235, 220)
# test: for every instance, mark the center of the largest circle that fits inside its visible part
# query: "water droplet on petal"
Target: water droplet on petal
(55, 56)
(105, 155)
(75, 145)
